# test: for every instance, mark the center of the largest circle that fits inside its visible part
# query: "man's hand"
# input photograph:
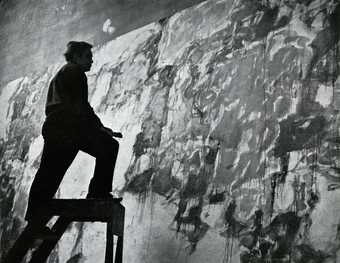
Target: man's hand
(118, 135)
(112, 133)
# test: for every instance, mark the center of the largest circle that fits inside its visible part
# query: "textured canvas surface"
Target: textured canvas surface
(230, 115)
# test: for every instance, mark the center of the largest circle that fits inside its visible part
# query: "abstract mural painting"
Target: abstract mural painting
(230, 112)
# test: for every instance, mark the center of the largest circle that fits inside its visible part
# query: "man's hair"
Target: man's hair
(75, 48)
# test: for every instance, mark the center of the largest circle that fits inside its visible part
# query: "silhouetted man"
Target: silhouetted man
(71, 125)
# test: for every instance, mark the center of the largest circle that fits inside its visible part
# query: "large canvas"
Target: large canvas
(230, 116)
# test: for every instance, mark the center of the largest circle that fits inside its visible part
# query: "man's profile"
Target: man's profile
(71, 125)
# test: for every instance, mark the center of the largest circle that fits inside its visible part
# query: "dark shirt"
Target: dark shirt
(68, 97)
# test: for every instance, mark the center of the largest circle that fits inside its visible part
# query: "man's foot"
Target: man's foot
(103, 196)
(99, 196)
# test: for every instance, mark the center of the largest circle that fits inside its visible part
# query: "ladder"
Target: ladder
(109, 211)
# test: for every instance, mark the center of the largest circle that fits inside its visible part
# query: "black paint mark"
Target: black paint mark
(151, 52)
(234, 227)
(140, 145)
(140, 183)
(167, 75)
(305, 254)
(196, 185)
(274, 243)
(76, 258)
(299, 133)
(216, 197)
(313, 199)
(325, 40)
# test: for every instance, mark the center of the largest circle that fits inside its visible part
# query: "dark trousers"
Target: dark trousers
(57, 156)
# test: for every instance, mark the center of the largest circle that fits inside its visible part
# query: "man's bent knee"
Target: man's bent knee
(111, 148)
(114, 146)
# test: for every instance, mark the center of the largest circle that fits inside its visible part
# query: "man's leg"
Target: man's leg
(55, 160)
(105, 149)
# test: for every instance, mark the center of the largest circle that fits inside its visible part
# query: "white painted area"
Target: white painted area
(117, 50)
(244, 144)
(143, 164)
(5, 113)
(253, 116)
(102, 87)
(318, 22)
(300, 28)
(266, 134)
(107, 27)
(297, 27)
(306, 124)
(294, 159)
(232, 105)
(123, 122)
(278, 44)
(215, 122)
(285, 195)
(192, 25)
(244, 170)
(314, 5)
(277, 103)
(77, 178)
(241, 112)
(293, 107)
(33, 155)
(177, 115)
(324, 95)
(152, 236)
(325, 218)
(35, 149)
(125, 155)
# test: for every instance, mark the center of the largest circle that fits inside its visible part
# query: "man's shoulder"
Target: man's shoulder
(71, 72)
(71, 68)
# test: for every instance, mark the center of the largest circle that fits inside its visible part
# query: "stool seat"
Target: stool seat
(87, 210)
(109, 211)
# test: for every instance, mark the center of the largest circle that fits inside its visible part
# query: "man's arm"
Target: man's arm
(75, 94)
(112, 133)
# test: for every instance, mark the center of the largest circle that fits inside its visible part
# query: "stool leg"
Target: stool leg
(20, 247)
(109, 242)
(23, 243)
(119, 250)
(42, 253)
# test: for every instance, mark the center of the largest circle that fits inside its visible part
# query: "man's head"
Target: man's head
(80, 54)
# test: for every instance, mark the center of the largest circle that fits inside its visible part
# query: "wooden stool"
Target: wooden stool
(109, 211)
